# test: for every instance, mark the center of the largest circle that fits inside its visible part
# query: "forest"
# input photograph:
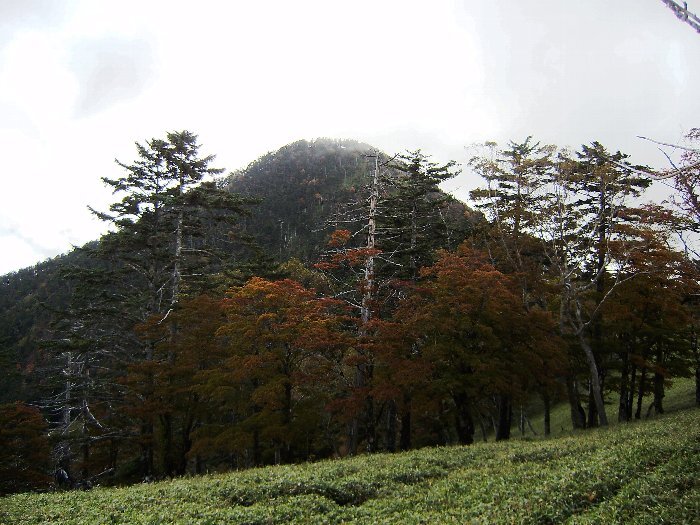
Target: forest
(331, 300)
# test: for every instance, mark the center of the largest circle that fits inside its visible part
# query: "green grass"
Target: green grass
(644, 472)
(680, 395)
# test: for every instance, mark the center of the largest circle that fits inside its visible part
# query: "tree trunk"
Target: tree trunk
(592, 410)
(406, 423)
(694, 348)
(371, 427)
(521, 422)
(697, 385)
(596, 386)
(391, 426)
(257, 456)
(640, 396)
(631, 393)
(177, 259)
(84, 473)
(482, 427)
(505, 418)
(464, 422)
(168, 466)
(622, 412)
(659, 382)
(547, 413)
(181, 465)
(361, 371)
(286, 451)
(578, 416)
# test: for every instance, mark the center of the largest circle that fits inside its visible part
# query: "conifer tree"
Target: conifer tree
(172, 229)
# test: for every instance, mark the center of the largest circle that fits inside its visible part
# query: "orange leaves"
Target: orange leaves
(473, 328)
(279, 315)
(339, 238)
(357, 256)
(281, 340)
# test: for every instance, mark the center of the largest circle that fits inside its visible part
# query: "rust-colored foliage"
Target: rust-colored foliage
(163, 389)
(475, 332)
(24, 449)
(339, 238)
(282, 343)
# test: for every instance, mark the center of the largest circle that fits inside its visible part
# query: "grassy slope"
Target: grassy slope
(680, 395)
(638, 473)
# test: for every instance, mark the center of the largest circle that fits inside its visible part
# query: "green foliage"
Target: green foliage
(639, 473)
(300, 187)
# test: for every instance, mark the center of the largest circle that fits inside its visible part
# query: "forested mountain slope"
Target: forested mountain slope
(302, 187)
(298, 188)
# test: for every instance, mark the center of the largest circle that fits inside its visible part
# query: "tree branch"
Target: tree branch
(683, 14)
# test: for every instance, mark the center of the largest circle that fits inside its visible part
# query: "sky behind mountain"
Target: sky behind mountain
(82, 80)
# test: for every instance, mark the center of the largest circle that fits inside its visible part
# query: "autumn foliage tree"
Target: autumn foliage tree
(162, 390)
(282, 344)
(24, 449)
(479, 340)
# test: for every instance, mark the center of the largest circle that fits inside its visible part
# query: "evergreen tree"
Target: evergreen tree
(172, 230)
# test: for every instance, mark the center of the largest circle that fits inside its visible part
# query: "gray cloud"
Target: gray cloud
(110, 70)
(582, 71)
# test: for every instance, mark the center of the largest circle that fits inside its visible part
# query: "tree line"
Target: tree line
(184, 348)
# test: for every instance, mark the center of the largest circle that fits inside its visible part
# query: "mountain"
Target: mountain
(300, 188)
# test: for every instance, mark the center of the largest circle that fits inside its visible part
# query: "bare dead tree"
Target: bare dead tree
(683, 14)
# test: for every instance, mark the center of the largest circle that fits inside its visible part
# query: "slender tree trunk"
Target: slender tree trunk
(505, 417)
(391, 426)
(659, 392)
(464, 422)
(177, 259)
(521, 422)
(84, 474)
(371, 427)
(482, 427)
(631, 393)
(547, 413)
(694, 348)
(697, 384)
(167, 423)
(286, 450)
(406, 422)
(63, 448)
(596, 386)
(257, 456)
(592, 410)
(640, 395)
(622, 412)
(181, 466)
(361, 371)
(578, 416)
(529, 424)
(147, 428)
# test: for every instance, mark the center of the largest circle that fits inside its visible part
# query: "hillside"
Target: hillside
(637, 473)
(301, 187)
(27, 299)
(298, 188)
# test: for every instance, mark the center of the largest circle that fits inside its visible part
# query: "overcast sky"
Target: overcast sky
(81, 81)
